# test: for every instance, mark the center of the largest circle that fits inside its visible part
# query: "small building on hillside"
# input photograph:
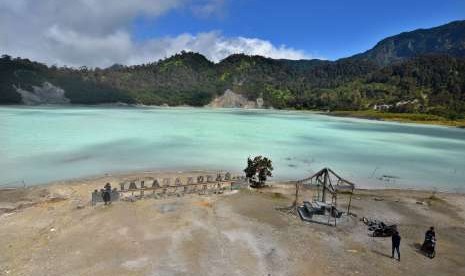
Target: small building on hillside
(382, 107)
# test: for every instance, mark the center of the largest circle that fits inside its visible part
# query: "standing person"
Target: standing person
(430, 234)
(396, 244)
(107, 194)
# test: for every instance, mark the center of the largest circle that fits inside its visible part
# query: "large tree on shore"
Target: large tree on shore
(257, 170)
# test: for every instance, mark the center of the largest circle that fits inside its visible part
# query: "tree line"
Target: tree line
(433, 84)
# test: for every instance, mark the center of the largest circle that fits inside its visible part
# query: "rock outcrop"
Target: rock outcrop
(45, 94)
(233, 100)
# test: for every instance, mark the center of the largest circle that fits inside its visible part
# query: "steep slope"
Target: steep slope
(424, 68)
(185, 78)
(446, 39)
(433, 84)
(24, 81)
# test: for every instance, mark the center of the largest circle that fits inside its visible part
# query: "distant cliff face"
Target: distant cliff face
(446, 39)
(45, 94)
(232, 100)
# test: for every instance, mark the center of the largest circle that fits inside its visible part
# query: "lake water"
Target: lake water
(42, 144)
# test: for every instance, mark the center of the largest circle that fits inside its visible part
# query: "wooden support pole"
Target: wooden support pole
(325, 183)
(296, 194)
(350, 201)
(335, 209)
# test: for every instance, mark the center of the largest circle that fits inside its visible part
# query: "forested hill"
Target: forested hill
(446, 39)
(418, 71)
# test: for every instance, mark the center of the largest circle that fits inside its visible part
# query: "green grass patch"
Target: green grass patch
(400, 117)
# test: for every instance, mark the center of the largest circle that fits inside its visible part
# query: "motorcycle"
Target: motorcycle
(379, 228)
(429, 247)
(384, 230)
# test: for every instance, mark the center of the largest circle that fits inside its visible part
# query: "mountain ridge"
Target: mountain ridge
(410, 67)
(445, 39)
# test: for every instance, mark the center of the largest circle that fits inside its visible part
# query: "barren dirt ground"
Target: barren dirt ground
(53, 230)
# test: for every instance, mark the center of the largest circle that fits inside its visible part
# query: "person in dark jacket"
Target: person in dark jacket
(396, 244)
(430, 234)
(106, 194)
(430, 240)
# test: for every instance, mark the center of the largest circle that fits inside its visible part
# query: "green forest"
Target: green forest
(424, 78)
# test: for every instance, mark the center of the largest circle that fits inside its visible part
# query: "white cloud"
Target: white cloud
(214, 46)
(98, 32)
(208, 8)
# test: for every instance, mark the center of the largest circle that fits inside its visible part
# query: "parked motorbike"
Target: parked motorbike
(379, 228)
(384, 231)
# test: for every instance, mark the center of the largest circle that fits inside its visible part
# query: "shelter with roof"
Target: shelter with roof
(324, 205)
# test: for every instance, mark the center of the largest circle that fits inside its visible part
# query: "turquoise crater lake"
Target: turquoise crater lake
(43, 144)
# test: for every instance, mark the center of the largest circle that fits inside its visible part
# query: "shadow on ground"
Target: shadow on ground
(381, 254)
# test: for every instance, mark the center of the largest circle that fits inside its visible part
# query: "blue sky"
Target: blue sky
(331, 29)
(99, 33)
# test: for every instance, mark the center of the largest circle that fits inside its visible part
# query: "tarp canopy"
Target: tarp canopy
(329, 180)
